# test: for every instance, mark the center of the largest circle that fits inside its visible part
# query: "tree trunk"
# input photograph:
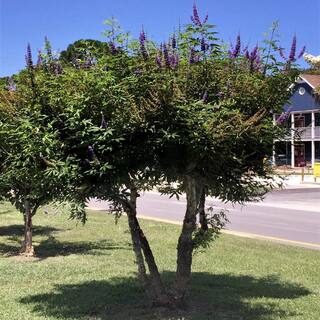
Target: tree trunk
(185, 242)
(142, 274)
(162, 298)
(27, 247)
(202, 210)
(154, 286)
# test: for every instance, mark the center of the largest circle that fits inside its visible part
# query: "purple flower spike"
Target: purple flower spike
(142, 36)
(235, 51)
(284, 116)
(90, 153)
(28, 57)
(204, 45)
(159, 61)
(113, 48)
(254, 53)
(303, 50)
(103, 123)
(195, 18)
(11, 85)
(174, 42)
(237, 47)
(205, 19)
(247, 54)
(282, 55)
(174, 60)
(292, 54)
(142, 39)
(166, 56)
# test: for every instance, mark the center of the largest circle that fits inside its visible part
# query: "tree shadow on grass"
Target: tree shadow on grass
(222, 296)
(17, 230)
(51, 247)
(13, 235)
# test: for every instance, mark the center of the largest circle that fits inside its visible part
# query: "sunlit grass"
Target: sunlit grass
(88, 272)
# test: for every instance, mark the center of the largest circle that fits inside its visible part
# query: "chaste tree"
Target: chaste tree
(141, 115)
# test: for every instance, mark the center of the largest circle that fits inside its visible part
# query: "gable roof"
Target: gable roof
(313, 80)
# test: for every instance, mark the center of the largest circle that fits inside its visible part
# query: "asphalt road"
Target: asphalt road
(291, 215)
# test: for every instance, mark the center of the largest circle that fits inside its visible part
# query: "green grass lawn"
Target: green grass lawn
(88, 272)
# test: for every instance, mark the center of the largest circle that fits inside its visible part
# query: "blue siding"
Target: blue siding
(303, 102)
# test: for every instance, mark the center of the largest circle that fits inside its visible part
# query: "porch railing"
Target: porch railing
(303, 133)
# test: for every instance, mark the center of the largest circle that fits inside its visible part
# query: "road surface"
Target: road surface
(291, 215)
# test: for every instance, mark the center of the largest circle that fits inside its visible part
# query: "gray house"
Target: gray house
(302, 146)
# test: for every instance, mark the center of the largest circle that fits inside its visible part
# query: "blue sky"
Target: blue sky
(65, 21)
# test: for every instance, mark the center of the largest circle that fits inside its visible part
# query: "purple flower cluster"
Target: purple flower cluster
(293, 49)
(159, 60)
(143, 49)
(11, 85)
(194, 57)
(235, 50)
(195, 18)
(28, 57)
(165, 57)
(254, 58)
(283, 116)
(174, 42)
(204, 45)
(113, 48)
(174, 60)
(292, 55)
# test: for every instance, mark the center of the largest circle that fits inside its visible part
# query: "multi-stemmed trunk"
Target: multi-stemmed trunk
(27, 245)
(143, 253)
(152, 282)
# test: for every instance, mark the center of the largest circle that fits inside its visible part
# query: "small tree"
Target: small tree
(144, 115)
(30, 173)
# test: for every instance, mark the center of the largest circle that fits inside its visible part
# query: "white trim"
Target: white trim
(306, 111)
(307, 82)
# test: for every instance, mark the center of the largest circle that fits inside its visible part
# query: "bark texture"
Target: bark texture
(27, 247)
(185, 242)
(202, 210)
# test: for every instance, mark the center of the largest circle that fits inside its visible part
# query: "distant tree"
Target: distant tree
(83, 49)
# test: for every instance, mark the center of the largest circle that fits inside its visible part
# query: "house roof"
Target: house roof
(313, 80)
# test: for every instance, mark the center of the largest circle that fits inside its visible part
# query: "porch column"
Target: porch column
(274, 145)
(292, 140)
(313, 151)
